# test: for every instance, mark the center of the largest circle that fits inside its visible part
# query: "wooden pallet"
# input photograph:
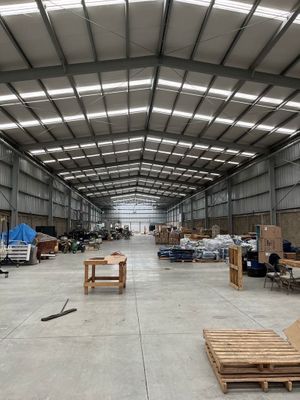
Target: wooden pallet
(203, 261)
(257, 356)
(235, 267)
(263, 381)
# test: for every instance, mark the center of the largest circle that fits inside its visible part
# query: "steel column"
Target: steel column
(229, 204)
(50, 202)
(206, 221)
(69, 218)
(15, 191)
(192, 212)
(272, 191)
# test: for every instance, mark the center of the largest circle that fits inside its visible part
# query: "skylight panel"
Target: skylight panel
(206, 158)
(167, 83)
(168, 141)
(231, 151)
(121, 141)
(221, 92)
(226, 121)
(217, 149)
(183, 114)
(137, 139)
(219, 160)
(244, 124)
(285, 130)
(245, 96)
(233, 162)
(153, 139)
(54, 149)
(64, 159)
(49, 161)
(184, 144)
(271, 100)
(294, 104)
(87, 145)
(73, 147)
(202, 117)
(201, 146)
(247, 154)
(37, 152)
(195, 88)
(93, 155)
(265, 127)
(106, 143)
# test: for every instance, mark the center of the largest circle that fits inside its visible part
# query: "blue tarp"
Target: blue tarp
(21, 232)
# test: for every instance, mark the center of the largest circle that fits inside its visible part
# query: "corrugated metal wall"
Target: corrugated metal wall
(34, 196)
(137, 216)
(5, 177)
(249, 191)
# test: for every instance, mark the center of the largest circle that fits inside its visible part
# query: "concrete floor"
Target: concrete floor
(144, 344)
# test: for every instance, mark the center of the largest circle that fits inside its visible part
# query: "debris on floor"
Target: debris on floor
(60, 314)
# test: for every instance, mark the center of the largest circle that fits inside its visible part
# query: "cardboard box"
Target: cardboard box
(263, 256)
(293, 334)
(270, 245)
(269, 231)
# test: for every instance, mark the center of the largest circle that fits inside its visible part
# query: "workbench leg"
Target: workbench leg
(125, 275)
(93, 275)
(86, 278)
(121, 277)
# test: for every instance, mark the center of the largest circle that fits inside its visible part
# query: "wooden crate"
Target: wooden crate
(252, 356)
(235, 267)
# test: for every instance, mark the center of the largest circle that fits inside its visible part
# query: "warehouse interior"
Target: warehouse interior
(149, 199)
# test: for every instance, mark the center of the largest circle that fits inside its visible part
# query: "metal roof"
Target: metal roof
(148, 100)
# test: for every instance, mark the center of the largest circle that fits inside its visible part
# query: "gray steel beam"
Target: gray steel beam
(192, 212)
(145, 62)
(137, 161)
(89, 217)
(272, 191)
(134, 134)
(137, 177)
(229, 206)
(69, 218)
(206, 220)
(137, 187)
(15, 191)
(50, 202)
(135, 190)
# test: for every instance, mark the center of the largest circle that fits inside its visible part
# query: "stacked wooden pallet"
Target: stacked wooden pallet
(252, 356)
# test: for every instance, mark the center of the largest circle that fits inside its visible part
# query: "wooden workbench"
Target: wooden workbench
(118, 281)
(290, 263)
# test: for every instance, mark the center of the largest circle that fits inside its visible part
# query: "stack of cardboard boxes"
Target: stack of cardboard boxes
(162, 235)
(174, 238)
(269, 240)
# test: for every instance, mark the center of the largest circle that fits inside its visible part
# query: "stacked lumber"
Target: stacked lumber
(252, 356)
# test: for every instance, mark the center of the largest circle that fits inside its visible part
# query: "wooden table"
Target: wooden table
(118, 281)
(290, 263)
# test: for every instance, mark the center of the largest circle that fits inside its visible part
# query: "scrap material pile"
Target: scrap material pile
(205, 249)
(25, 245)
(252, 356)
